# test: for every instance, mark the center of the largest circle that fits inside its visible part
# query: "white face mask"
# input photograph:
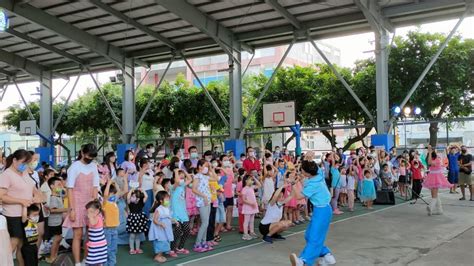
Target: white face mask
(215, 165)
(151, 150)
(34, 219)
(226, 164)
(251, 154)
(208, 158)
(205, 170)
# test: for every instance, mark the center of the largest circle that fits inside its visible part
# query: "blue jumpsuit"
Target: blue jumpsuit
(316, 191)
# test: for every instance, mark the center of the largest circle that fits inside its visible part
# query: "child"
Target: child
(112, 193)
(368, 189)
(96, 245)
(336, 184)
(343, 195)
(250, 206)
(386, 177)
(179, 215)
(403, 178)
(55, 219)
(351, 181)
(269, 175)
(6, 257)
(29, 250)
(220, 214)
(238, 193)
(290, 206)
(137, 222)
(161, 231)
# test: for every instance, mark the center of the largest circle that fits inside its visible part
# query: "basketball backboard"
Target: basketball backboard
(27, 127)
(279, 114)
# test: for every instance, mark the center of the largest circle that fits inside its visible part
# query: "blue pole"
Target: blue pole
(296, 129)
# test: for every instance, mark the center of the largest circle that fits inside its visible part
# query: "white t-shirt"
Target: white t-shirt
(273, 214)
(268, 188)
(147, 182)
(77, 168)
(46, 191)
(36, 178)
(351, 182)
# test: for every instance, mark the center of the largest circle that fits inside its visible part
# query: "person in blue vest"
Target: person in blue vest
(315, 189)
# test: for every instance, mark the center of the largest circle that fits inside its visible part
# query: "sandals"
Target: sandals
(160, 259)
(217, 238)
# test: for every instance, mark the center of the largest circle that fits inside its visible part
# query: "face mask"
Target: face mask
(226, 164)
(88, 160)
(181, 182)
(214, 165)
(58, 190)
(166, 203)
(205, 170)
(112, 198)
(22, 167)
(131, 157)
(208, 158)
(277, 151)
(34, 219)
(133, 199)
(251, 154)
(151, 151)
(194, 155)
(33, 164)
(176, 165)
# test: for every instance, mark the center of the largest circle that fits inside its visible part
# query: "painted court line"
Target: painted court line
(292, 234)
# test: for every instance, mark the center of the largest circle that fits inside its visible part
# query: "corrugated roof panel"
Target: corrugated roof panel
(187, 38)
(260, 25)
(131, 40)
(124, 5)
(251, 19)
(240, 11)
(154, 44)
(123, 35)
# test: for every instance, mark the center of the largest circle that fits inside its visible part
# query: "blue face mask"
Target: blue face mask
(22, 167)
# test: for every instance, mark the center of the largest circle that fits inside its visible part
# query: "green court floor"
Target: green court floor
(230, 240)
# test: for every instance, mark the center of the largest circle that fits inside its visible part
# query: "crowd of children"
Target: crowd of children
(167, 201)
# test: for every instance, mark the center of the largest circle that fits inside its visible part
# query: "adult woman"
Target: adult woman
(203, 199)
(434, 181)
(316, 191)
(82, 184)
(110, 164)
(130, 168)
(16, 193)
(145, 178)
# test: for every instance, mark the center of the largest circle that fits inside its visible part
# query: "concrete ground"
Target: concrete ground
(398, 235)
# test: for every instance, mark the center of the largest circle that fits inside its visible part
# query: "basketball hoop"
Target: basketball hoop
(279, 114)
(27, 127)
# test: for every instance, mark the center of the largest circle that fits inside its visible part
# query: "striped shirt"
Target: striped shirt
(97, 245)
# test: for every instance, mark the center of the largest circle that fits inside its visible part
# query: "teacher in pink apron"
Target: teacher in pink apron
(82, 184)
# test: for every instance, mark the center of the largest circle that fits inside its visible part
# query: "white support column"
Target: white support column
(382, 93)
(46, 106)
(128, 103)
(235, 95)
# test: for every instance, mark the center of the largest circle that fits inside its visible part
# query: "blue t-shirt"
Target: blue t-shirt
(336, 178)
(178, 203)
(453, 162)
(316, 191)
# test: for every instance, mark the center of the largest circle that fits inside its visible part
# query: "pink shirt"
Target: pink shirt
(228, 192)
(20, 187)
(249, 195)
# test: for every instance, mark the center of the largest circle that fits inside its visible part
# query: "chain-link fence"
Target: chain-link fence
(408, 134)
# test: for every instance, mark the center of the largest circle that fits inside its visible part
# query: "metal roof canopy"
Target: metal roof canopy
(63, 36)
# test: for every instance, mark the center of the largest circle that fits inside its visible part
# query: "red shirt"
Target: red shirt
(416, 172)
(250, 165)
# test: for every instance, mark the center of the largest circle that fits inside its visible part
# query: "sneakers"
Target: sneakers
(253, 235)
(182, 251)
(278, 237)
(428, 209)
(199, 248)
(206, 247)
(268, 239)
(295, 261)
(246, 237)
(328, 259)
(173, 254)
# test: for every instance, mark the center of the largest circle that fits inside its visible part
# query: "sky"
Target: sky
(352, 48)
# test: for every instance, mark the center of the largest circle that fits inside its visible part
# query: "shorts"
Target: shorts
(220, 214)
(403, 179)
(228, 202)
(15, 227)
(453, 177)
(264, 229)
(465, 179)
(55, 230)
(161, 246)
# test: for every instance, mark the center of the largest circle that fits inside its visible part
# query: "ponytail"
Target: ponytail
(20, 154)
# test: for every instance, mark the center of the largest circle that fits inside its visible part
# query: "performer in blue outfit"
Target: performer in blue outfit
(316, 191)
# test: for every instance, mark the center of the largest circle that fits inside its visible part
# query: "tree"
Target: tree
(445, 92)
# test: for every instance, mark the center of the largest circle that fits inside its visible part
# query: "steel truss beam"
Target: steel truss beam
(433, 60)
(285, 13)
(155, 90)
(107, 104)
(133, 22)
(63, 109)
(208, 95)
(66, 30)
(28, 109)
(341, 78)
(31, 68)
(220, 34)
(371, 11)
(265, 88)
